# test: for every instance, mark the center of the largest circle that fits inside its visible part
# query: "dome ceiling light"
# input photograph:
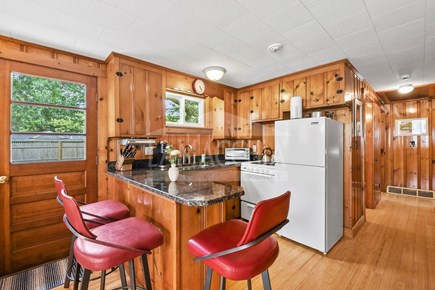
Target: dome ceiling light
(405, 89)
(214, 73)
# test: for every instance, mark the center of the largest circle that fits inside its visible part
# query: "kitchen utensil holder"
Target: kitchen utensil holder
(124, 164)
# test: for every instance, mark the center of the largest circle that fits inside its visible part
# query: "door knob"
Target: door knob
(4, 179)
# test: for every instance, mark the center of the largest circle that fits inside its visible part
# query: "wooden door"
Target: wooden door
(243, 116)
(31, 220)
(125, 109)
(334, 93)
(286, 93)
(230, 102)
(270, 102)
(155, 105)
(300, 89)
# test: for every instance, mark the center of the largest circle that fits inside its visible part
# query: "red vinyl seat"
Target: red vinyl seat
(238, 250)
(110, 245)
(95, 214)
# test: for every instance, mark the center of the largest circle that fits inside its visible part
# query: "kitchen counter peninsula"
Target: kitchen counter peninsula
(201, 197)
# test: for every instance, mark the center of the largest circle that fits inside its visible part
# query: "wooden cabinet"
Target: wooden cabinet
(270, 100)
(255, 100)
(334, 88)
(135, 94)
(214, 111)
(230, 108)
(316, 90)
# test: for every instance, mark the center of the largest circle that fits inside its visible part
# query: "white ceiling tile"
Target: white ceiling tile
(25, 9)
(363, 49)
(430, 11)
(238, 50)
(260, 8)
(405, 57)
(6, 24)
(312, 3)
(92, 48)
(190, 4)
(370, 59)
(399, 44)
(405, 31)
(430, 47)
(75, 7)
(376, 7)
(358, 38)
(328, 12)
(327, 55)
(429, 70)
(348, 25)
(317, 44)
(79, 26)
(306, 64)
(306, 33)
(149, 10)
(2, 6)
(109, 15)
(265, 61)
(287, 17)
(220, 13)
(400, 16)
(430, 29)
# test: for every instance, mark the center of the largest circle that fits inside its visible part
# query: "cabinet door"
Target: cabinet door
(155, 103)
(124, 115)
(286, 93)
(300, 89)
(316, 89)
(230, 101)
(255, 104)
(139, 101)
(243, 116)
(269, 99)
(334, 91)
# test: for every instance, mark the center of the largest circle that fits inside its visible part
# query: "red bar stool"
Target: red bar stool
(110, 245)
(238, 250)
(95, 214)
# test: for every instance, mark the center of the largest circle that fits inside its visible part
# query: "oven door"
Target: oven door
(257, 187)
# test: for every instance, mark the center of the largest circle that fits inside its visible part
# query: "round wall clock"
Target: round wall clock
(198, 86)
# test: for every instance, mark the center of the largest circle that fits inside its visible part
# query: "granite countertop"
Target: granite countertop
(187, 190)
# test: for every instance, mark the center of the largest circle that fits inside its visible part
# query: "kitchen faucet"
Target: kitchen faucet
(186, 154)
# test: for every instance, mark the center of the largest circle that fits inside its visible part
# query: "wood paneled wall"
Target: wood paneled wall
(408, 166)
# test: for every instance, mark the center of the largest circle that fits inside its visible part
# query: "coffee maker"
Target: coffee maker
(159, 155)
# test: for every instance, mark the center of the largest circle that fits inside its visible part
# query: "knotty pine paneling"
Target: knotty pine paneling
(405, 165)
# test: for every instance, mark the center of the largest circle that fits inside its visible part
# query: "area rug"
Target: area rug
(43, 277)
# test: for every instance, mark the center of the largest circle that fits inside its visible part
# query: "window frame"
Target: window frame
(183, 123)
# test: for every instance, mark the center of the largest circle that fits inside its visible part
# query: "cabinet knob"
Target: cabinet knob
(233, 207)
(251, 111)
(338, 78)
(239, 128)
(251, 97)
(239, 100)
(316, 99)
(282, 90)
(312, 93)
(340, 91)
(282, 101)
(119, 74)
(119, 120)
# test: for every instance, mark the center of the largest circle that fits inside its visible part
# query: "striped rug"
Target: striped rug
(43, 277)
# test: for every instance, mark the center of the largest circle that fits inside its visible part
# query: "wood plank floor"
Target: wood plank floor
(395, 249)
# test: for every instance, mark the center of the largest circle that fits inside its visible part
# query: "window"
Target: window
(183, 110)
(48, 119)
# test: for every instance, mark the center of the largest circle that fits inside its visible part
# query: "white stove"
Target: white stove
(256, 179)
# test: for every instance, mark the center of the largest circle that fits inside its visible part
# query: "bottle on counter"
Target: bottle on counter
(203, 158)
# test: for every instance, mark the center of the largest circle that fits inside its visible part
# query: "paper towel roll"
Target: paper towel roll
(296, 107)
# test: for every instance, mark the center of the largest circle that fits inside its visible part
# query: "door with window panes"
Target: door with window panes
(48, 128)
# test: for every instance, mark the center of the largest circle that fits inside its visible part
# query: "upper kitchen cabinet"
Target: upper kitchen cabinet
(230, 115)
(264, 101)
(135, 98)
(319, 87)
(244, 127)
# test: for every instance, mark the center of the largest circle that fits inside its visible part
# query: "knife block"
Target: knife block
(124, 164)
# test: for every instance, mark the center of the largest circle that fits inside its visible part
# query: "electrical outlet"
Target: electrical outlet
(148, 150)
(254, 148)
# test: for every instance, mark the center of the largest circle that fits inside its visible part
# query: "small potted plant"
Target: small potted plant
(173, 172)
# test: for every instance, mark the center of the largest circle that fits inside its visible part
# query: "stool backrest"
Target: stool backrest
(59, 186)
(74, 215)
(267, 214)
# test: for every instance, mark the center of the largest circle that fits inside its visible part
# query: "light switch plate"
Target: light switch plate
(148, 150)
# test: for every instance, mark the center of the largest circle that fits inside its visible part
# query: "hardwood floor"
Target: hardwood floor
(395, 249)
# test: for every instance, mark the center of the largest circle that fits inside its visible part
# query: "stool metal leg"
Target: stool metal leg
(70, 263)
(146, 272)
(266, 280)
(122, 276)
(85, 279)
(103, 279)
(208, 275)
(222, 283)
(77, 276)
(132, 274)
(249, 284)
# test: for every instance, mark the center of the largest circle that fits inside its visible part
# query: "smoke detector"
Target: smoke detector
(275, 47)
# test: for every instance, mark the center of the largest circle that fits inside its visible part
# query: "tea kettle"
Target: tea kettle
(267, 155)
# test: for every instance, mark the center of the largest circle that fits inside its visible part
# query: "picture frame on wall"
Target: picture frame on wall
(411, 127)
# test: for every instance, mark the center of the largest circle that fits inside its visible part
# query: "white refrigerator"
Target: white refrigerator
(309, 163)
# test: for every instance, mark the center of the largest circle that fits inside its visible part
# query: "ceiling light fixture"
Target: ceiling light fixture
(275, 47)
(406, 89)
(214, 73)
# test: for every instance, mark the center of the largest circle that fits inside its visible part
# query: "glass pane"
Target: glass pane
(37, 148)
(191, 109)
(28, 118)
(172, 105)
(33, 89)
